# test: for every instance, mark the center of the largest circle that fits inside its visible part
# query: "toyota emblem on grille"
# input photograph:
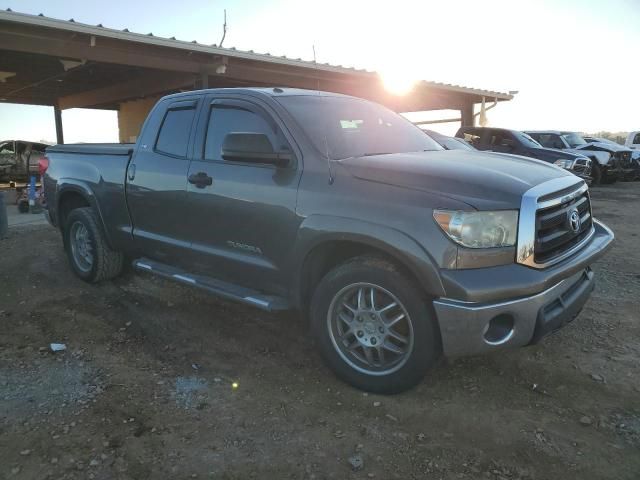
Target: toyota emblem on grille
(574, 220)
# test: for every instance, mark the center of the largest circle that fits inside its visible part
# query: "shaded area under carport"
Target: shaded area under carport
(67, 64)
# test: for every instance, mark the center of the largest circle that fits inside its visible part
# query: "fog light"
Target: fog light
(499, 329)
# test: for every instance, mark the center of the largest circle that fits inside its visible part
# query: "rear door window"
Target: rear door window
(173, 138)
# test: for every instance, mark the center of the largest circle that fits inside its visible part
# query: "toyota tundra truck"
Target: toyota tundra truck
(397, 251)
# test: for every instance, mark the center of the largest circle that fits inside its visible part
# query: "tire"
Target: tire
(23, 206)
(101, 263)
(418, 327)
(596, 174)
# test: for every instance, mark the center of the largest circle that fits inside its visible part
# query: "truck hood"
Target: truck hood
(602, 157)
(604, 146)
(480, 179)
(555, 153)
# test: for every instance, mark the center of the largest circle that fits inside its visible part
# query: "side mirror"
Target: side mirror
(253, 148)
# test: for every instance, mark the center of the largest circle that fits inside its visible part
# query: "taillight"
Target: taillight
(43, 164)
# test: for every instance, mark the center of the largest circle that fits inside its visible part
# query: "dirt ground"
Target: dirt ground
(145, 387)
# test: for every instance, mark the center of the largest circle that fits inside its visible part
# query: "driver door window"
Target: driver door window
(231, 119)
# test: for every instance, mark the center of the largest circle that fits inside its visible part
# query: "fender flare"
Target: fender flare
(66, 185)
(317, 230)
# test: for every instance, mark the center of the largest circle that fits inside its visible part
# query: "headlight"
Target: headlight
(564, 163)
(479, 229)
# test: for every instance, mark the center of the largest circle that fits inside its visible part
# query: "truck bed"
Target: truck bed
(94, 148)
(96, 171)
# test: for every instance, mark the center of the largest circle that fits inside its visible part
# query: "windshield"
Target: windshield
(574, 140)
(344, 127)
(527, 140)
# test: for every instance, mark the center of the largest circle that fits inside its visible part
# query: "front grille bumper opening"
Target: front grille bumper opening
(557, 230)
(582, 166)
(555, 222)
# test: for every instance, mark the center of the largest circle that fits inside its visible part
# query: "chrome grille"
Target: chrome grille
(545, 232)
(555, 233)
(582, 166)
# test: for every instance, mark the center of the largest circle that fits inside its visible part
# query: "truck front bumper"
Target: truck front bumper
(469, 329)
(480, 322)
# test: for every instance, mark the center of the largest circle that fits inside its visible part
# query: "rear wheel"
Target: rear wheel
(89, 254)
(373, 327)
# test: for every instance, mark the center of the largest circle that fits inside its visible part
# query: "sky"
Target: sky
(573, 62)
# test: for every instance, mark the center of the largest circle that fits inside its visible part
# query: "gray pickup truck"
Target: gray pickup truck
(396, 250)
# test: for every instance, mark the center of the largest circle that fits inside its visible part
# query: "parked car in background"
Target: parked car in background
(501, 140)
(631, 173)
(396, 250)
(19, 159)
(610, 163)
(633, 141)
(450, 143)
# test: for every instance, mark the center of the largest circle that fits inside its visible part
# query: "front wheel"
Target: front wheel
(85, 243)
(374, 328)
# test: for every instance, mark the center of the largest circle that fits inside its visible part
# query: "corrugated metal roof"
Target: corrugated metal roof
(101, 31)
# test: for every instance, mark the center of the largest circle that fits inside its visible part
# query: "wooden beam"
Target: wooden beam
(65, 44)
(27, 101)
(76, 48)
(140, 87)
(139, 55)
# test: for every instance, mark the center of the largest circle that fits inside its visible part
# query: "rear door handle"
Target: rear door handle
(132, 172)
(200, 180)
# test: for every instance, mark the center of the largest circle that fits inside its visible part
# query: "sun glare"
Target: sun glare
(397, 82)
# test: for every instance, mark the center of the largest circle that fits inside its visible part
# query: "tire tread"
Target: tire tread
(420, 309)
(108, 262)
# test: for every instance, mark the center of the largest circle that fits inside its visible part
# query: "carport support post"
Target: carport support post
(204, 80)
(58, 116)
(466, 115)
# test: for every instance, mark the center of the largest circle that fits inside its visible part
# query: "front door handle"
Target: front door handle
(200, 180)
